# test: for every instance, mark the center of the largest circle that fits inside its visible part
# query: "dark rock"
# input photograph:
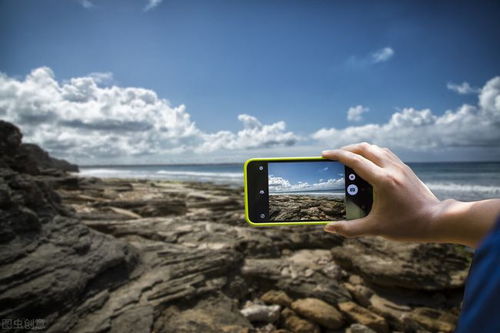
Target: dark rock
(49, 262)
(10, 139)
(44, 160)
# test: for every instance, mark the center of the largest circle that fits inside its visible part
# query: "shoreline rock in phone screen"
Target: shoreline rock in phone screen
(306, 191)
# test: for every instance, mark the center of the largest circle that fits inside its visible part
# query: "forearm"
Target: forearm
(464, 222)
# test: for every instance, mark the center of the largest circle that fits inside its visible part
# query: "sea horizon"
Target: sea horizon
(456, 180)
(242, 163)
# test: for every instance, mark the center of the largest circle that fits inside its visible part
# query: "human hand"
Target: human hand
(403, 208)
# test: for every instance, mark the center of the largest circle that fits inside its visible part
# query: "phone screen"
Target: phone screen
(305, 191)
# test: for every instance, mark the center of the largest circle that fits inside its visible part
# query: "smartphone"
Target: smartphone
(303, 191)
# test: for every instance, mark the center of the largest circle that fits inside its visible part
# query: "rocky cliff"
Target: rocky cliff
(50, 263)
(44, 160)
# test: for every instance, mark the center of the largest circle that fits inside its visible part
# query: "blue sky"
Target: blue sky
(295, 176)
(303, 63)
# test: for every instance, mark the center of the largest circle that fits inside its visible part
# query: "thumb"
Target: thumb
(351, 228)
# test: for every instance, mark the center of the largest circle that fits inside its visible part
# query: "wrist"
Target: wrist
(451, 223)
(443, 221)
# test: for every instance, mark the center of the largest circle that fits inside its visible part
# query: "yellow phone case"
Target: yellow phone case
(271, 224)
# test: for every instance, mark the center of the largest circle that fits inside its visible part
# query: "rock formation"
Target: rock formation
(283, 207)
(91, 255)
(44, 160)
(50, 263)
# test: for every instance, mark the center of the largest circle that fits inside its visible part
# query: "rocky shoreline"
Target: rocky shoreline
(286, 207)
(117, 255)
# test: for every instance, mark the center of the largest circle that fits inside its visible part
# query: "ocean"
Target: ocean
(465, 181)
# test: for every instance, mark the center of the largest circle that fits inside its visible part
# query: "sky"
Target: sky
(162, 81)
(305, 176)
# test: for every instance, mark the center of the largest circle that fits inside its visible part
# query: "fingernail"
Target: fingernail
(325, 152)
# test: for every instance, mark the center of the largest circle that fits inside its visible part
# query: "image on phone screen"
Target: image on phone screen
(305, 191)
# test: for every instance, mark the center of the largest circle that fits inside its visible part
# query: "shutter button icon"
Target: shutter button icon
(352, 189)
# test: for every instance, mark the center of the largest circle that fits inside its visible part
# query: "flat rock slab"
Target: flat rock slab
(172, 275)
(407, 265)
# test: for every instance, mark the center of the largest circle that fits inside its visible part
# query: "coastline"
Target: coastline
(84, 254)
(200, 216)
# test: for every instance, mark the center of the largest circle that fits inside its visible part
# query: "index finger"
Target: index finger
(368, 170)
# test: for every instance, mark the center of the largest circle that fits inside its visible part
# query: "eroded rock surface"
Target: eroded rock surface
(285, 207)
(50, 263)
(408, 265)
(156, 256)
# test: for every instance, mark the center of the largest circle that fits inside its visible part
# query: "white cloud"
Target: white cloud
(355, 113)
(463, 89)
(280, 184)
(91, 120)
(421, 130)
(382, 55)
(82, 119)
(375, 57)
(86, 4)
(253, 135)
(105, 78)
(152, 4)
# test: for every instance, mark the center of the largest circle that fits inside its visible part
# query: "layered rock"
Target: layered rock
(157, 256)
(407, 265)
(286, 207)
(49, 262)
(282, 265)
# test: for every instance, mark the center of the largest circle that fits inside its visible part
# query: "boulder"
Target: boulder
(319, 312)
(296, 324)
(277, 297)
